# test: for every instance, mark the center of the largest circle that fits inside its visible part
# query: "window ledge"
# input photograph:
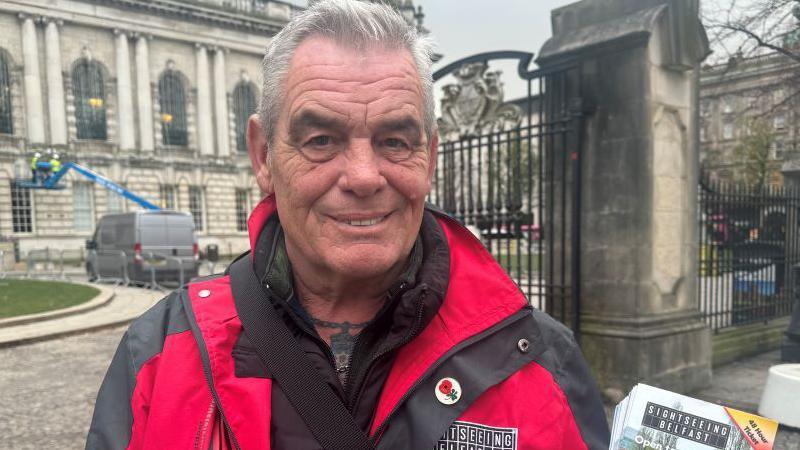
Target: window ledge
(11, 139)
(179, 150)
(93, 145)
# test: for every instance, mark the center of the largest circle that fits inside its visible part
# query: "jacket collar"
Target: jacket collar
(421, 288)
(258, 219)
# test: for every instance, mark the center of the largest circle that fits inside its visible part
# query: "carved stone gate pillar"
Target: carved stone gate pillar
(638, 62)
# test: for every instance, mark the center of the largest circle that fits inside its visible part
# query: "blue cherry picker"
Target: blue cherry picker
(42, 180)
(179, 263)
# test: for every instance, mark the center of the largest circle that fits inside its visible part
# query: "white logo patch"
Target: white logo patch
(475, 436)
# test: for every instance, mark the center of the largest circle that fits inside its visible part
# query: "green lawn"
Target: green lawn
(513, 262)
(19, 297)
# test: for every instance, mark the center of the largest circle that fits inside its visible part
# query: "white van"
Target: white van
(142, 244)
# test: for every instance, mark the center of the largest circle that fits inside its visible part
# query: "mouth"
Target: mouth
(362, 221)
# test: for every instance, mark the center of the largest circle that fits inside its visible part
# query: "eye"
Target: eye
(320, 141)
(395, 143)
(321, 148)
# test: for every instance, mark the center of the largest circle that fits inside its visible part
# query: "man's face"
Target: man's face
(351, 164)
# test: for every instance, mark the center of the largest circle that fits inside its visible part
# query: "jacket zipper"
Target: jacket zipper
(216, 401)
(198, 440)
(210, 382)
(512, 319)
(386, 350)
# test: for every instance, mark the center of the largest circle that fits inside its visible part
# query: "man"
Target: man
(400, 310)
(34, 167)
(55, 165)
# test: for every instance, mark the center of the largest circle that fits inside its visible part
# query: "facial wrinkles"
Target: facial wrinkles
(362, 101)
(330, 80)
(359, 108)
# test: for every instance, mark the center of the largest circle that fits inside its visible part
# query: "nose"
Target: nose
(361, 174)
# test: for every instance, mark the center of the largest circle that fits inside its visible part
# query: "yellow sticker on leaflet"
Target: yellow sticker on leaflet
(759, 431)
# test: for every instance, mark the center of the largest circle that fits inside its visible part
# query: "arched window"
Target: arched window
(172, 99)
(90, 99)
(6, 125)
(244, 104)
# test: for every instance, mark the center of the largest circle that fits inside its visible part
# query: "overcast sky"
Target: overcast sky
(464, 27)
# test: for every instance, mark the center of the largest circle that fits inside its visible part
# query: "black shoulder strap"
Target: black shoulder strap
(321, 409)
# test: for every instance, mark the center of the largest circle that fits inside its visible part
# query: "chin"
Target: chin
(365, 263)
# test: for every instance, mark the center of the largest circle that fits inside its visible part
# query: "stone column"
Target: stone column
(205, 132)
(127, 133)
(640, 317)
(55, 84)
(143, 94)
(34, 111)
(221, 104)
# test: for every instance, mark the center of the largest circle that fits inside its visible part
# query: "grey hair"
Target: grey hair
(353, 23)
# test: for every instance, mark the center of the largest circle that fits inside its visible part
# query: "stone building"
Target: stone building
(734, 94)
(151, 94)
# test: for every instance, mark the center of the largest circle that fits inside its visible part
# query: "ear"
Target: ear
(433, 151)
(257, 147)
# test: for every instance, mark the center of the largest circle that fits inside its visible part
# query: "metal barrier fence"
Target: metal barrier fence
(749, 249)
(110, 267)
(47, 262)
(3, 270)
(114, 268)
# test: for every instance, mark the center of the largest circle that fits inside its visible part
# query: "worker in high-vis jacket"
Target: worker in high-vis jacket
(34, 166)
(55, 164)
(408, 334)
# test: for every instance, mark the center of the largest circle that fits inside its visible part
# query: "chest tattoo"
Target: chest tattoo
(343, 341)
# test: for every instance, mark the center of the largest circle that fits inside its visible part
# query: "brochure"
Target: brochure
(650, 418)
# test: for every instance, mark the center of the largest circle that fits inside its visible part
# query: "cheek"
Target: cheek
(300, 185)
(413, 185)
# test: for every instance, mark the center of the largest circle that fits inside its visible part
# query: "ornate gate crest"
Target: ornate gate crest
(511, 172)
(475, 105)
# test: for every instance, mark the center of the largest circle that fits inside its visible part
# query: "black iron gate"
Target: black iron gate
(749, 252)
(510, 171)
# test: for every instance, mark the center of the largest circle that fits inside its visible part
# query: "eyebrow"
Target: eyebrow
(311, 119)
(405, 124)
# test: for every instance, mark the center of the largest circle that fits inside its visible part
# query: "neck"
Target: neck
(340, 299)
(340, 308)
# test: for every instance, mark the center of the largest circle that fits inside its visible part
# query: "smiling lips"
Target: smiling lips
(361, 221)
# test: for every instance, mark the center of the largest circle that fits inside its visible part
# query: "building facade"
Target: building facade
(152, 94)
(746, 96)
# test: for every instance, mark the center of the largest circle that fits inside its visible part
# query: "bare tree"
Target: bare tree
(743, 29)
(750, 27)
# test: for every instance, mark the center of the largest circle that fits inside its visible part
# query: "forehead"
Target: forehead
(324, 70)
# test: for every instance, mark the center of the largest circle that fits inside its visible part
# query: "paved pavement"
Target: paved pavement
(740, 384)
(49, 388)
(127, 304)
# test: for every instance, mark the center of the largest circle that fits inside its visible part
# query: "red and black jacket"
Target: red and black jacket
(176, 380)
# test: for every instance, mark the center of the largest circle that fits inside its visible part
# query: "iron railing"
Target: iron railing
(509, 170)
(749, 247)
